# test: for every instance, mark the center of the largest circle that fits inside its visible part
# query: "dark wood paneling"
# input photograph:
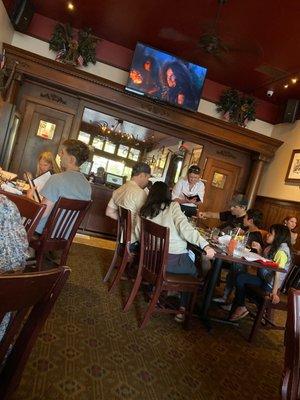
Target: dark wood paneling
(275, 211)
(95, 221)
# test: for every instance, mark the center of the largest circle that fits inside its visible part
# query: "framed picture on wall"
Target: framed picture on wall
(195, 157)
(293, 171)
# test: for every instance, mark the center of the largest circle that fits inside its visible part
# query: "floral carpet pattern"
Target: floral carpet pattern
(90, 350)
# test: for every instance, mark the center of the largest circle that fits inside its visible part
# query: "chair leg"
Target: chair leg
(133, 292)
(189, 313)
(112, 266)
(39, 260)
(151, 307)
(118, 274)
(257, 321)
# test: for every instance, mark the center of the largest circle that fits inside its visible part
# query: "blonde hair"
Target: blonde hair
(49, 158)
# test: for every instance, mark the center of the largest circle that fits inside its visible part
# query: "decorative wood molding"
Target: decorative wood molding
(191, 126)
(53, 97)
(226, 153)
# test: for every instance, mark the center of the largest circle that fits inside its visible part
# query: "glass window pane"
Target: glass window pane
(109, 147)
(123, 151)
(127, 172)
(85, 167)
(115, 167)
(84, 137)
(99, 162)
(98, 143)
(134, 154)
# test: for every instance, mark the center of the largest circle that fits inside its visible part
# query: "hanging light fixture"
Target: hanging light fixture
(117, 134)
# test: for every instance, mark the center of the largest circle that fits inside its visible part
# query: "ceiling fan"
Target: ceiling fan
(210, 41)
(226, 47)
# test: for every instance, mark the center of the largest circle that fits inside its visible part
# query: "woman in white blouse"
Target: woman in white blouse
(160, 209)
(189, 191)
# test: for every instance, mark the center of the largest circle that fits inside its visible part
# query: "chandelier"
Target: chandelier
(118, 135)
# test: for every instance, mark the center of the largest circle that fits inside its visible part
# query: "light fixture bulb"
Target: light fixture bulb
(70, 6)
(294, 80)
(286, 86)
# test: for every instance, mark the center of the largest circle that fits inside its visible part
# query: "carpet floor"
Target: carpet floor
(89, 349)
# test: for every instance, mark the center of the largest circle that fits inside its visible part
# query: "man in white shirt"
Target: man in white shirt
(131, 195)
(189, 191)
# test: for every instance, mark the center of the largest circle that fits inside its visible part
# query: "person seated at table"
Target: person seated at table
(46, 162)
(291, 222)
(13, 244)
(279, 250)
(252, 222)
(131, 196)
(160, 209)
(189, 191)
(233, 218)
(70, 183)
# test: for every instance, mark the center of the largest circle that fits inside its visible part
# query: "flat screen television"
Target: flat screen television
(164, 77)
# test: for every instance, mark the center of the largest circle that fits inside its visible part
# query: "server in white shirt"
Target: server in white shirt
(189, 191)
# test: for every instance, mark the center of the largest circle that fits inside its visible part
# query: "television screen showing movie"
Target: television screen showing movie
(166, 78)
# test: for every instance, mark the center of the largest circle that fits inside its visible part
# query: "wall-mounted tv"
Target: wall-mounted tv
(164, 77)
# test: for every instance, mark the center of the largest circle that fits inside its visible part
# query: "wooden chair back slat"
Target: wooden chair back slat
(31, 211)
(60, 228)
(30, 298)
(154, 249)
(122, 257)
(290, 389)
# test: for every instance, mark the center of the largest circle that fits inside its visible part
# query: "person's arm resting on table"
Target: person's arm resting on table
(189, 233)
(208, 214)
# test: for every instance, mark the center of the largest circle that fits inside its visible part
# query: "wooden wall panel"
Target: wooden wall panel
(275, 211)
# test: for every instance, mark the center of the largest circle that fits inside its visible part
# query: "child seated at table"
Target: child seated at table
(279, 250)
(252, 222)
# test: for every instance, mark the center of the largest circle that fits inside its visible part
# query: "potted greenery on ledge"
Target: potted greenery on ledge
(77, 51)
(236, 107)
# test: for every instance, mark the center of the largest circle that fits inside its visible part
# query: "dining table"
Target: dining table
(213, 276)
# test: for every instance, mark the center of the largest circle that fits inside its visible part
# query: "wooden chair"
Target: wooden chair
(265, 307)
(122, 256)
(60, 229)
(29, 298)
(31, 211)
(152, 269)
(290, 388)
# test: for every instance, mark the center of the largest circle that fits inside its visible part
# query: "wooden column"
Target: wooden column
(255, 178)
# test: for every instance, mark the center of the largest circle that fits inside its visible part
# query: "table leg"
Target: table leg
(216, 268)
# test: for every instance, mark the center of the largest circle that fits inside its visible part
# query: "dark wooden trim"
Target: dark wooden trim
(191, 126)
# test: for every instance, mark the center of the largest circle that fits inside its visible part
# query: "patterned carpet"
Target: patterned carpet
(89, 349)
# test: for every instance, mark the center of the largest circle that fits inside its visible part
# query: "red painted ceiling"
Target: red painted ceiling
(262, 37)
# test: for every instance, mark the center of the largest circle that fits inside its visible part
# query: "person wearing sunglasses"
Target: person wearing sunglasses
(189, 191)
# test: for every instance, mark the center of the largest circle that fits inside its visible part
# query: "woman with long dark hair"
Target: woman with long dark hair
(291, 222)
(279, 249)
(160, 209)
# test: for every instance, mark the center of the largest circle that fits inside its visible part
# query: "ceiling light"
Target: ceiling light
(294, 80)
(286, 86)
(70, 6)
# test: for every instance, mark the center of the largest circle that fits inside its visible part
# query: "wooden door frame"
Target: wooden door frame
(26, 121)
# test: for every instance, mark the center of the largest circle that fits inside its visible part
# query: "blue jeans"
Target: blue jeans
(243, 279)
(181, 264)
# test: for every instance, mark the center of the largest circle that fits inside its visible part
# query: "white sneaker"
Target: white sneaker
(220, 300)
(180, 317)
(226, 307)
